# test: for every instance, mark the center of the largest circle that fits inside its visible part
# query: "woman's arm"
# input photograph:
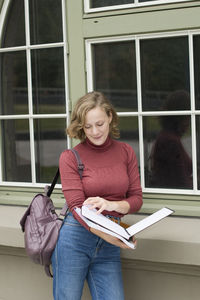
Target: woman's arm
(71, 184)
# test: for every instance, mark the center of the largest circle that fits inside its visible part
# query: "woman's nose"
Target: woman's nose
(94, 130)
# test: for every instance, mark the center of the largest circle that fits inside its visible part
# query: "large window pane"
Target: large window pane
(102, 3)
(115, 73)
(197, 70)
(45, 21)
(16, 150)
(48, 81)
(164, 69)
(50, 141)
(129, 133)
(13, 94)
(167, 147)
(14, 27)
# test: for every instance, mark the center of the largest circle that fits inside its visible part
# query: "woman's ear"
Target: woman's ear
(110, 117)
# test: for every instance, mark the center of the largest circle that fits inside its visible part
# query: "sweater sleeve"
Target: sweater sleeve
(134, 193)
(71, 183)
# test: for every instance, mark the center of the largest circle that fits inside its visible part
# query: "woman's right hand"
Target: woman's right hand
(111, 239)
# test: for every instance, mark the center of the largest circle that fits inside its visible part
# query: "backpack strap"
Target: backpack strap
(51, 188)
(79, 163)
(80, 171)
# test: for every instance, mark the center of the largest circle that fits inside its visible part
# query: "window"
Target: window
(153, 82)
(33, 90)
(100, 5)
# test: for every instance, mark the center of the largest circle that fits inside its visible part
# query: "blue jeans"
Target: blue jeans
(80, 255)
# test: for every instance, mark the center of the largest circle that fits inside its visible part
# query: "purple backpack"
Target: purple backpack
(41, 224)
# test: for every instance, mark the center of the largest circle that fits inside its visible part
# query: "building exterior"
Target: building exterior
(145, 56)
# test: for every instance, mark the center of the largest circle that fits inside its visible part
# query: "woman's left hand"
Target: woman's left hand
(100, 204)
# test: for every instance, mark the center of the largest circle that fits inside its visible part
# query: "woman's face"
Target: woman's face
(97, 125)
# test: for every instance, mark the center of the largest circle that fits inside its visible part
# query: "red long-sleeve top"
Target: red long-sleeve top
(110, 172)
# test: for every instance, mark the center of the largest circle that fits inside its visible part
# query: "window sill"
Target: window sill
(183, 205)
(174, 240)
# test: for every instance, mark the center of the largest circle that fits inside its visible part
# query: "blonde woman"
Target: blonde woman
(110, 184)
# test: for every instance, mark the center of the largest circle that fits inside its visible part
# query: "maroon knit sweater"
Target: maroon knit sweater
(110, 172)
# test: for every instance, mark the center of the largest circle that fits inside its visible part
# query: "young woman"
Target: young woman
(110, 184)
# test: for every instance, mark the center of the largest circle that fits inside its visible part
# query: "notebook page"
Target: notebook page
(150, 220)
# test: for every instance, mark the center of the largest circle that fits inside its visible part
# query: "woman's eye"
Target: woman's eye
(100, 124)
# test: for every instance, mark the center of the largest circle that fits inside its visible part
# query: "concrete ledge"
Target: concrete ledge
(174, 240)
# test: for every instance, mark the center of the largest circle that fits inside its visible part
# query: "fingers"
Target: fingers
(98, 203)
(134, 241)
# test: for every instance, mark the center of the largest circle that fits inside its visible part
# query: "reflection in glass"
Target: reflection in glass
(129, 133)
(16, 150)
(48, 80)
(167, 147)
(197, 70)
(115, 73)
(164, 69)
(45, 21)
(50, 141)
(13, 33)
(102, 3)
(13, 82)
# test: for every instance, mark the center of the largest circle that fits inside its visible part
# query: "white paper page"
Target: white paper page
(96, 226)
(148, 221)
(103, 221)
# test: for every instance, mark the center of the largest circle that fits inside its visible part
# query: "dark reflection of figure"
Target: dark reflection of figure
(171, 165)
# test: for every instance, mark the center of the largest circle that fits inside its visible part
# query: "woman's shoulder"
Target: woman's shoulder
(67, 156)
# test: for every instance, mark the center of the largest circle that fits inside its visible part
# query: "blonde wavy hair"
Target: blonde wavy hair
(86, 103)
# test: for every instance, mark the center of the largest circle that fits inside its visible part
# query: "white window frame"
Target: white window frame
(31, 116)
(88, 9)
(140, 113)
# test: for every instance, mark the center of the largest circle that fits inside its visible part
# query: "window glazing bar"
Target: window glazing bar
(65, 44)
(29, 78)
(193, 117)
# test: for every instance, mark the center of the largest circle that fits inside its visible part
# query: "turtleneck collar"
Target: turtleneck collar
(105, 146)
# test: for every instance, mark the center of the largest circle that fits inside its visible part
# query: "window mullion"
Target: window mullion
(2, 20)
(140, 121)
(193, 117)
(86, 6)
(89, 68)
(66, 67)
(29, 79)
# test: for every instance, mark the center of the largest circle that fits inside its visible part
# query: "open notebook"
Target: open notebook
(100, 222)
